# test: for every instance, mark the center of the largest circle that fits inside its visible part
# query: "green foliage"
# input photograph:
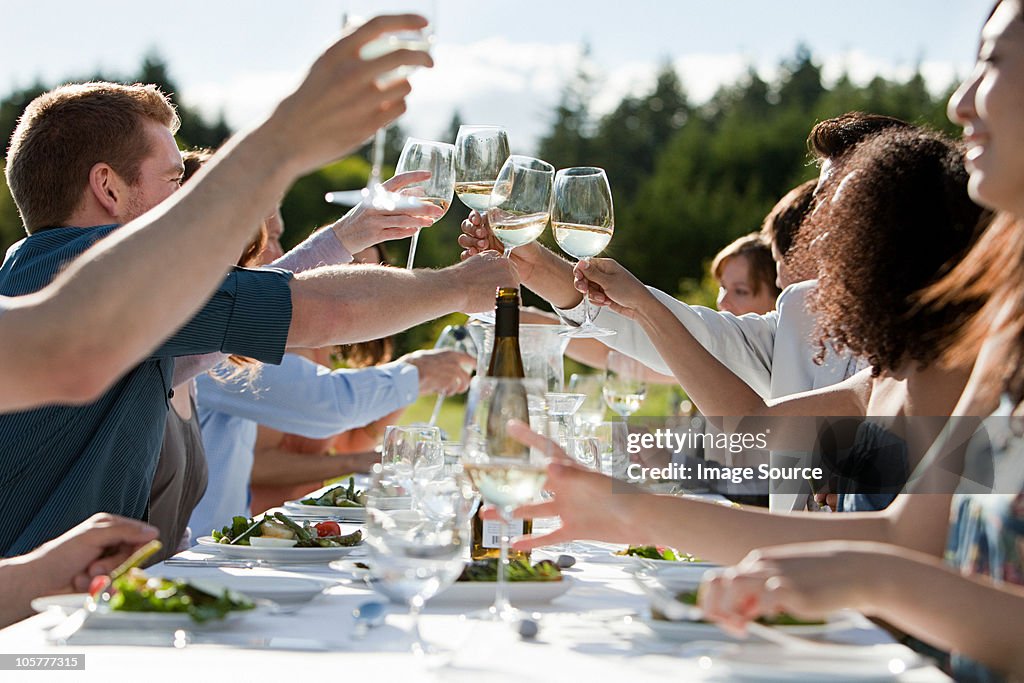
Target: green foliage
(686, 179)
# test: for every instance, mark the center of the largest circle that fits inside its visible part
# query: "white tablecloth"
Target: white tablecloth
(595, 632)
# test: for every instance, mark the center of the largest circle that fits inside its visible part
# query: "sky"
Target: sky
(496, 62)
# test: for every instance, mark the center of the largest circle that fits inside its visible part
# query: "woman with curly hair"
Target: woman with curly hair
(893, 216)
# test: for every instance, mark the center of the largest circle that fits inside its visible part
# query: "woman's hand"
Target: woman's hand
(606, 283)
(365, 226)
(477, 237)
(585, 500)
(807, 580)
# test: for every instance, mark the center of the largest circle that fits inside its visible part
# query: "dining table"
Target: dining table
(600, 629)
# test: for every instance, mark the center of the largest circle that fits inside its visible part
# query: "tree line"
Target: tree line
(686, 178)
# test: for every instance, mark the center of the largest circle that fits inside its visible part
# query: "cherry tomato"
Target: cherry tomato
(97, 584)
(327, 529)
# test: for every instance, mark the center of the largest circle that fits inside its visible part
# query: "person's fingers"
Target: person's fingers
(400, 180)
(112, 531)
(468, 242)
(531, 541)
(375, 27)
(391, 61)
(475, 218)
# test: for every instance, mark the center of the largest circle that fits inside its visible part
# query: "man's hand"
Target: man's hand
(477, 237)
(342, 100)
(478, 278)
(606, 283)
(442, 371)
(364, 226)
(96, 546)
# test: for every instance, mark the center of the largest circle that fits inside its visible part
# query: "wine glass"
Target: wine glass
(506, 473)
(413, 453)
(591, 412)
(521, 201)
(480, 152)
(415, 538)
(585, 450)
(374, 193)
(438, 189)
(624, 384)
(583, 221)
(562, 411)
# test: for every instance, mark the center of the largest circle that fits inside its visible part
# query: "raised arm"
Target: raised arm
(122, 296)
(349, 304)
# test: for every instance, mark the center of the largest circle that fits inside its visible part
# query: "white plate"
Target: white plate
(280, 589)
(758, 662)
(70, 603)
(289, 555)
(481, 593)
(675, 576)
(343, 514)
(698, 630)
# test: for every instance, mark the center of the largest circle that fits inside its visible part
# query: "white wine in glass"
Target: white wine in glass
(439, 159)
(480, 152)
(624, 387)
(521, 201)
(583, 220)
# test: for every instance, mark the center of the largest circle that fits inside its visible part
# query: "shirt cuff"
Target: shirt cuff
(573, 316)
(263, 302)
(322, 248)
(406, 377)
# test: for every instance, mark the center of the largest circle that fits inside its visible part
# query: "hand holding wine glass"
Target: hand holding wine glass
(438, 159)
(583, 220)
(606, 282)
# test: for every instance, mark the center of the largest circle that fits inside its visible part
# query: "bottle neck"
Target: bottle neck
(506, 320)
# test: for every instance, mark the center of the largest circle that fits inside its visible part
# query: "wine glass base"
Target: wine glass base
(486, 317)
(587, 332)
(377, 197)
(493, 613)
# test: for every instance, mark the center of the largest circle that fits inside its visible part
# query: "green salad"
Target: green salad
(319, 535)
(340, 497)
(518, 570)
(781, 619)
(137, 592)
(658, 552)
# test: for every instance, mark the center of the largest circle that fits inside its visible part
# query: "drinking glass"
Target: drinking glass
(506, 473)
(521, 201)
(374, 193)
(562, 411)
(413, 453)
(415, 538)
(583, 220)
(591, 412)
(480, 152)
(585, 450)
(624, 385)
(438, 189)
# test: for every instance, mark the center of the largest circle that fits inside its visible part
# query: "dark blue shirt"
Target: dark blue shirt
(61, 464)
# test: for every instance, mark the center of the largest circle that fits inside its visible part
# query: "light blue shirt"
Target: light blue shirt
(298, 397)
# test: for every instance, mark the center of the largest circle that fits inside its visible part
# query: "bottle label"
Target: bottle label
(492, 532)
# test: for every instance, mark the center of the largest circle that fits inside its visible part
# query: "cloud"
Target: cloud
(518, 84)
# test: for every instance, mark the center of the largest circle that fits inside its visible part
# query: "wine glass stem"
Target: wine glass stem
(587, 321)
(415, 606)
(508, 252)
(377, 157)
(412, 251)
(501, 604)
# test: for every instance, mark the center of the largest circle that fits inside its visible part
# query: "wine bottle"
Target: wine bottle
(506, 361)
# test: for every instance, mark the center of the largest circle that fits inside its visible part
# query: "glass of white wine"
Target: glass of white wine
(506, 473)
(480, 152)
(583, 220)
(521, 201)
(439, 159)
(375, 193)
(624, 384)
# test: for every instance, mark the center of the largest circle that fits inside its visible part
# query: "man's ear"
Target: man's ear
(107, 188)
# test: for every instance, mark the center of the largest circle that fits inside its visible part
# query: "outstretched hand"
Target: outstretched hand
(583, 499)
(477, 237)
(364, 226)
